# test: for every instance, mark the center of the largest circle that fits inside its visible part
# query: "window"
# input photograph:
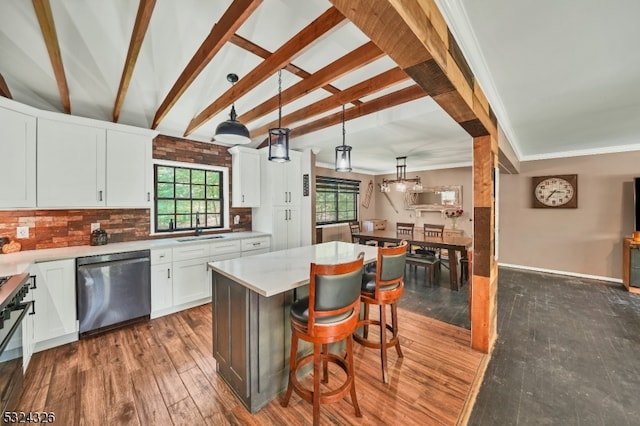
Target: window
(336, 200)
(185, 195)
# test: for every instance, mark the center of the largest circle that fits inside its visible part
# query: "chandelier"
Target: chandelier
(401, 180)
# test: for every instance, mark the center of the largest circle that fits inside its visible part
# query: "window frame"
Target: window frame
(224, 187)
(352, 186)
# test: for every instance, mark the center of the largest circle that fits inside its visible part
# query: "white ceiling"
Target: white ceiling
(563, 78)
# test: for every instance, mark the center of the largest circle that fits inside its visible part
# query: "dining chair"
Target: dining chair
(329, 314)
(405, 228)
(354, 227)
(431, 231)
(384, 287)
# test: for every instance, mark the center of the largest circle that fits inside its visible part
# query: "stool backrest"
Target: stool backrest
(390, 267)
(334, 291)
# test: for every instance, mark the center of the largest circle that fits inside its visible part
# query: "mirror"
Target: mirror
(436, 198)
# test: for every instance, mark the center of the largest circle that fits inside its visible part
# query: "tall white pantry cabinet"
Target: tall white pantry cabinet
(280, 201)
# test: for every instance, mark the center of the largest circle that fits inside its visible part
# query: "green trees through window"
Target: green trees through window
(185, 194)
(336, 200)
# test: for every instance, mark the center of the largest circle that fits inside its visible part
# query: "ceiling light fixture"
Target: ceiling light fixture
(343, 152)
(401, 178)
(279, 137)
(232, 131)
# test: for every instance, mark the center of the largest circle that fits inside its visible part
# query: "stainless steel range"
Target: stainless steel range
(13, 309)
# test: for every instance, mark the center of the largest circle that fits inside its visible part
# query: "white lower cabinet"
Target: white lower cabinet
(161, 282)
(55, 319)
(190, 281)
(180, 277)
(28, 337)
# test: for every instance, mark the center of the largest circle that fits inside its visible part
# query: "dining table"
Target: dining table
(453, 245)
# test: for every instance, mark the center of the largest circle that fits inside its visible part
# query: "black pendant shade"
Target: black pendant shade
(232, 131)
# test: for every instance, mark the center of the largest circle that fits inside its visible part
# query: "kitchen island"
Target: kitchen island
(252, 297)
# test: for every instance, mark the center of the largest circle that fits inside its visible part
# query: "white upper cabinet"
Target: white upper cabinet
(18, 150)
(80, 166)
(245, 176)
(282, 182)
(129, 169)
(70, 165)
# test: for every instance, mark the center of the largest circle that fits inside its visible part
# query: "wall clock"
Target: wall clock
(555, 191)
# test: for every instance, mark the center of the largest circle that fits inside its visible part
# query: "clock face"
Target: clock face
(555, 191)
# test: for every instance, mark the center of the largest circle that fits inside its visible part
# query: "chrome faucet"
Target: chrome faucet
(198, 230)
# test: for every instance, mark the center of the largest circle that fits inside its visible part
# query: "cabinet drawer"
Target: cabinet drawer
(191, 252)
(159, 256)
(224, 247)
(256, 243)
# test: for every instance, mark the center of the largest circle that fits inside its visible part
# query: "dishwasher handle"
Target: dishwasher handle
(111, 263)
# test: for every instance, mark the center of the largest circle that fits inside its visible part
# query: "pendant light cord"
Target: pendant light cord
(280, 98)
(343, 131)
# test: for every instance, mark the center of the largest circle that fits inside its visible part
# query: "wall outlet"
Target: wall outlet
(22, 232)
(95, 226)
(236, 219)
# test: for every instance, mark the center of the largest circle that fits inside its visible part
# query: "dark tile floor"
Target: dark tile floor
(567, 352)
(437, 301)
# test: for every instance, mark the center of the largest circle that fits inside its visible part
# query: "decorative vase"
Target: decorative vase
(454, 222)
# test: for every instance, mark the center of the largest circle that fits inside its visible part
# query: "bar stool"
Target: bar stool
(382, 288)
(328, 315)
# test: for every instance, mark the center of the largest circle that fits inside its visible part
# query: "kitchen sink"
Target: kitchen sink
(199, 238)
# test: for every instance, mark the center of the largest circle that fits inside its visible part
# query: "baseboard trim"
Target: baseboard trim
(553, 271)
(470, 401)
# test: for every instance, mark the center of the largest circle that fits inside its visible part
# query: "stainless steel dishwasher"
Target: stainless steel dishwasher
(113, 290)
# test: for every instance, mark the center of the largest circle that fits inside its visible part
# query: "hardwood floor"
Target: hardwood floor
(162, 372)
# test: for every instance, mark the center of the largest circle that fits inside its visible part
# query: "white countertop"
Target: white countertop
(273, 273)
(17, 263)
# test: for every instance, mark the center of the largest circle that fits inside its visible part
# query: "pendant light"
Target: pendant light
(401, 178)
(279, 137)
(343, 152)
(232, 131)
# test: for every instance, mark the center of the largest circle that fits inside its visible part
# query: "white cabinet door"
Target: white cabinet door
(245, 175)
(161, 288)
(129, 173)
(70, 165)
(282, 182)
(28, 337)
(190, 280)
(18, 150)
(55, 297)
(286, 228)
(293, 228)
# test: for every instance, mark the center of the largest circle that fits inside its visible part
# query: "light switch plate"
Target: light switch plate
(95, 226)
(22, 232)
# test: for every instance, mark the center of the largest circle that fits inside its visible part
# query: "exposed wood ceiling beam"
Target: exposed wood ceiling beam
(145, 9)
(281, 57)
(48, 29)
(399, 97)
(365, 88)
(355, 59)
(249, 46)
(4, 89)
(414, 34)
(222, 31)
